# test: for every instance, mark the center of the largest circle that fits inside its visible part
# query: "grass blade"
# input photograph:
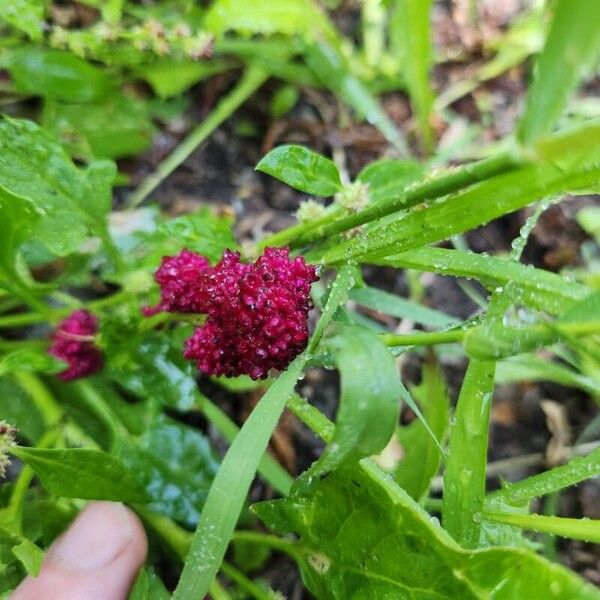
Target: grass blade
(572, 42)
(410, 36)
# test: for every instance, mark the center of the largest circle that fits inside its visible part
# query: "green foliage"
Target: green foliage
(302, 169)
(571, 45)
(83, 473)
(34, 166)
(58, 75)
(356, 523)
(26, 15)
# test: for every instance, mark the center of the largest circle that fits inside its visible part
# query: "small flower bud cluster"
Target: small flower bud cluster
(151, 36)
(309, 210)
(73, 342)
(256, 312)
(354, 197)
(7, 440)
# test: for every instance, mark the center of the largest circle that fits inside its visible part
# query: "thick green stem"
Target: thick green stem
(446, 183)
(425, 338)
(312, 417)
(250, 82)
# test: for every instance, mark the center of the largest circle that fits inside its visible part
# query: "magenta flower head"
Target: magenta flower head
(256, 312)
(73, 342)
(178, 277)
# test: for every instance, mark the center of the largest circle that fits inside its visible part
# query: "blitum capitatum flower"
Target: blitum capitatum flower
(256, 313)
(73, 342)
(7, 441)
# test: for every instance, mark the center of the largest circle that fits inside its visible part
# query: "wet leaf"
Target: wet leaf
(175, 464)
(302, 169)
(83, 473)
(362, 536)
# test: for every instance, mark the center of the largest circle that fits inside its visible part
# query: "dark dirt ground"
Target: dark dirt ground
(220, 174)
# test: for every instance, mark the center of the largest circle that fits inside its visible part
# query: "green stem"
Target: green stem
(245, 584)
(425, 338)
(446, 183)
(250, 82)
(312, 417)
(42, 398)
(177, 538)
(55, 315)
(587, 530)
(272, 541)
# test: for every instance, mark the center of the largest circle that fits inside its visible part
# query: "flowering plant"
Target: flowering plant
(148, 358)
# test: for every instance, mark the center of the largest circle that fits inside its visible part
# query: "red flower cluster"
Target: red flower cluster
(71, 342)
(256, 313)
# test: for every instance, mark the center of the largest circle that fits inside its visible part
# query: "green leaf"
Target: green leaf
(587, 530)
(410, 37)
(369, 407)
(152, 368)
(294, 17)
(522, 492)
(34, 165)
(589, 220)
(232, 482)
(83, 473)
(175, 464)
(361, 536)
(535, 287)
(422, 457)
(30, 556)
(25, 15)
(464, 211)
(396, 306)
(302, 169)
(169, 77)
(17, 408)
(388, 178)
(148, 586)
(571, 45)
(119, 126)
(58, 75)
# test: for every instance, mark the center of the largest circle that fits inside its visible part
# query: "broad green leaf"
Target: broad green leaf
(232, 482)
(176, 465)
(421, 458)
(522, 492)
(17, 408)
(362, 536)
(169, 77)
(148, 586)
(30, 556)
(58, 75)
(331, 69)
(587, 530)
(34, 166)
(388, 178)
(537, 288)
(302, 169)
(25, 15)
(369, 400)
(293, 17)
(11, 568)
(464, 211)
(396, 306)
(410, 38)
(571, 45)
(117, 127)
(83, 473)
(152, 368)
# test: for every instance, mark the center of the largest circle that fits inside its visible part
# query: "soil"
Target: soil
(221, 174)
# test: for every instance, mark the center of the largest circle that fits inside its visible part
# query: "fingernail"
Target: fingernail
(101, 532)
